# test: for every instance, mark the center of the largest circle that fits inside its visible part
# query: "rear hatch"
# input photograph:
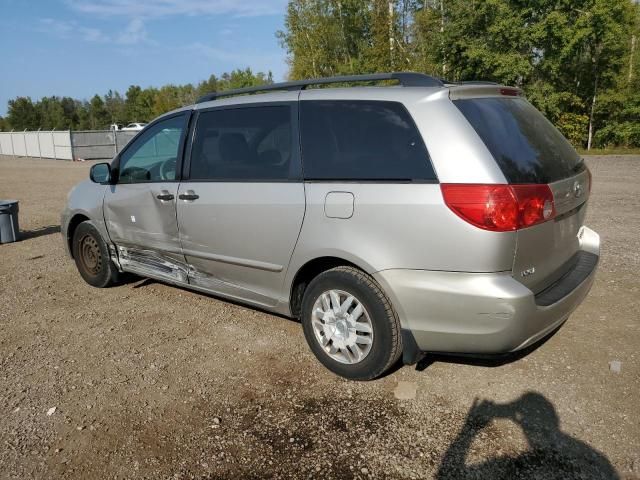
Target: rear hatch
(531, 151)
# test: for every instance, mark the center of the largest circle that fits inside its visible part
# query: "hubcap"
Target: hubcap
(90, 254)
(342, 326)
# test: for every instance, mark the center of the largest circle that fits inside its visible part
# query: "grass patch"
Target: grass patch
(610, 151)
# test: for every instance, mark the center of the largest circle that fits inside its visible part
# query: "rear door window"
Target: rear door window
(243, 144)
(526, 146)
(361, 140)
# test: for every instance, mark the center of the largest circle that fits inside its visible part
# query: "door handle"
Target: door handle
(165, 196)
(188, 195)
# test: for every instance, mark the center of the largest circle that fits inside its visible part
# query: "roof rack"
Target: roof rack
(406, 79)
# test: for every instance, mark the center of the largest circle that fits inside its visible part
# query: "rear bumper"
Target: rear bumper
(485, 313)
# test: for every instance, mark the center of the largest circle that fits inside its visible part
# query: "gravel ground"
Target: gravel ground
(145, 380)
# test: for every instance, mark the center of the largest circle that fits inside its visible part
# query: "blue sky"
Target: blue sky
(78, 48)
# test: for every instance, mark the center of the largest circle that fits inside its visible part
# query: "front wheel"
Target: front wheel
(91, 255)
(350, 324)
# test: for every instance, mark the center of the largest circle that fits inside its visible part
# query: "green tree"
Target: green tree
(564, 54)
(326, 37)
(617, 112)
(71, 109)
(427, 34)
(207, 86)
(98, 114)
(51, 113)
(23, 114)
(115, 106)
(242, 79)
(166, 99)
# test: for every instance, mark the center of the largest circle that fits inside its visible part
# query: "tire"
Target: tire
(91, 255)
(358, 361)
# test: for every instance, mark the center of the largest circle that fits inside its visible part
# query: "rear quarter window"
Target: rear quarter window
(361, 140)
(525, 145)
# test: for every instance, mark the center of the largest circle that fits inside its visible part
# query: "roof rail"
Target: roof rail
(406, 79)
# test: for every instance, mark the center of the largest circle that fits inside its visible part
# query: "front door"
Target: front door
(240, 210)
(140, 209)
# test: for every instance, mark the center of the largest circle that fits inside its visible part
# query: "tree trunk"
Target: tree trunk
(633, 47)
(593, 108)
(313, 56)
(444, 60)
(391, 34)
(344, 38)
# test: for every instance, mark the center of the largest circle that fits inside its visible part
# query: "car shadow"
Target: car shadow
(39, 232)
(551, 453)
(138, 282)
(479, 360)
(141, 282)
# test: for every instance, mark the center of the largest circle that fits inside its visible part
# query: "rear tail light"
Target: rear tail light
(510, 92)
(500, 208)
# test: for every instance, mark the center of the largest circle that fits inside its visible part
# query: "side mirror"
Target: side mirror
(100, 173)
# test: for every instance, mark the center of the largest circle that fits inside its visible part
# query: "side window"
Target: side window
(251, 143)
(154, 154)
(361, 140)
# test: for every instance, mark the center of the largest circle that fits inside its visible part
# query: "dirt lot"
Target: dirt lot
(150, 381)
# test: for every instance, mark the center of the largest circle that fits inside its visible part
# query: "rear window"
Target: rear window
(361, 140)
(526, 146)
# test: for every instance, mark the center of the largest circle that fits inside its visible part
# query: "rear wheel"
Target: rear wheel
(350, 324)
(91, 255)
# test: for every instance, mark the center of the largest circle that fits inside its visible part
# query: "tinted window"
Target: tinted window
(152, 157)
(361, 140)
(243, 144)
(526, 146)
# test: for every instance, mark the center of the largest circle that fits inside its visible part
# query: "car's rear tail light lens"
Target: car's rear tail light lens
(500, 208)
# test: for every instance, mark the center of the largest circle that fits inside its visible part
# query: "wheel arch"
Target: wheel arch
(311, 269)
(76, 220)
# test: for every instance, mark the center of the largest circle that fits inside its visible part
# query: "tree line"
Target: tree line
(136, 105)
(576, 60)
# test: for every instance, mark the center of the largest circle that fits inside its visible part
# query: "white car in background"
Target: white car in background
(134, 127)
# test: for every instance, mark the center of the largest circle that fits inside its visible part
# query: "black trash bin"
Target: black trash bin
(9, 229)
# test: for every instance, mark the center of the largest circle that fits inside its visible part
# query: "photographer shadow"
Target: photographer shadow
(551, 453)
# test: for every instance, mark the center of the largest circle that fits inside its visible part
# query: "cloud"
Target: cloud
(258, 60)
(94, 35)
(57, 27)
(71, 29)
(161, 8)
(134, 33)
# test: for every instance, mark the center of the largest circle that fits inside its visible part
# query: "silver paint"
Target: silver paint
(456, 287)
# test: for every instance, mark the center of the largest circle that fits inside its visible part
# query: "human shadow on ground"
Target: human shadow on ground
(551, 453)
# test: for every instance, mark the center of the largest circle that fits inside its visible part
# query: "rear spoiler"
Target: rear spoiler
(480, 90)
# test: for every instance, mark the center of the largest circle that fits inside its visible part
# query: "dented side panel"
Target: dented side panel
(145, 230)
(153, 264)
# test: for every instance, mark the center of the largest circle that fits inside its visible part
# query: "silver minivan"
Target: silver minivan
(391, 220)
